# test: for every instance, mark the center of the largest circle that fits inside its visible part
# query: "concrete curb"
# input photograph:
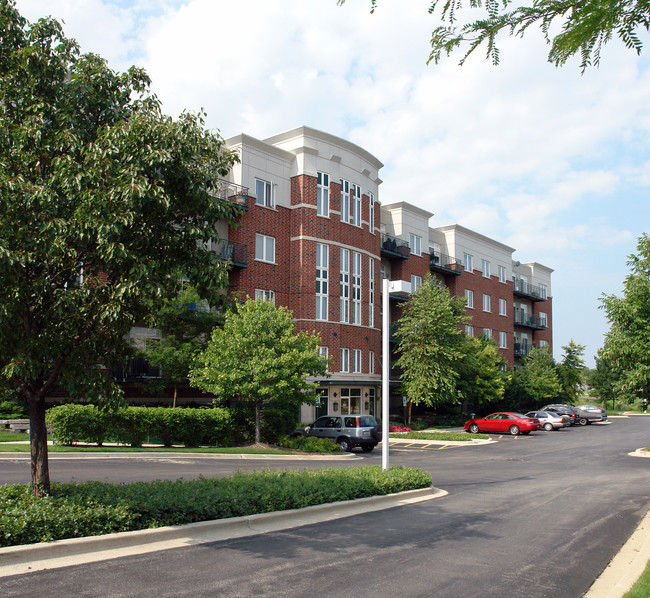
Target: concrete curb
(16, 560)
(640, 452)
(626, 567)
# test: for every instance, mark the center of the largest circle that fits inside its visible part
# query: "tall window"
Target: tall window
(356, 205)
(371, 214)
(345, 360)
(487, 304)
(502, 307)
(469, 330)
(324, 353)
(502, 274)
(264, 193)
(322, 275)
(323, 194)
(345, 285)
(487, 332)
(469, 298)
(416, 244)
(356, 288)
(503, 340)
(485, 266)
(356, 361)
(416, 283)
(468, 262)
(371, 362)
(264, 295)
(371, 292)
(543, 319)
(542, 291)
(345, 201)
(265, 248)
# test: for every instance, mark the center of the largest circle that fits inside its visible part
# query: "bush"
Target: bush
(133, 425)
(81, 509)
(309, 444)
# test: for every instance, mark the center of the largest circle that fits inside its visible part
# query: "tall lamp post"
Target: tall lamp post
(388, 286)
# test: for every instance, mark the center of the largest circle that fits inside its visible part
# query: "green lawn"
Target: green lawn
(13, 436)
(641, 589)
(444, 436)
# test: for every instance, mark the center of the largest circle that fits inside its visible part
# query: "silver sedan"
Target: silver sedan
(550, 420)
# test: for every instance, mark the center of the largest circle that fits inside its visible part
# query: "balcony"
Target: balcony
(526, 321)
(521, 349)
(392, 247)
(231, 192)
(444, 264)
(136, 369)
(237, 253)
(521, 288)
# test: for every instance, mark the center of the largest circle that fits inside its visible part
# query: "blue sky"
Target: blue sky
(552, 162)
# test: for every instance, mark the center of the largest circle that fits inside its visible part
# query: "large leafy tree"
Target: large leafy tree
(570, 27)
(627, 344)
(482, 377)
(186, 323)
(258, 357)
(430, 344)
(570, 370)
(104, 201)
(539, 376)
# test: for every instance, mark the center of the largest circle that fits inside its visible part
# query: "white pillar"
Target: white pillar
(385, 372)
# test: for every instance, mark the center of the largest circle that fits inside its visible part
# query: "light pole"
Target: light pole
(388, 286)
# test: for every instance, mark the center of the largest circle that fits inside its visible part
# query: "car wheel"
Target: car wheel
(367, 448)
(514, 430)
(548, 427)
(345, 444)
(583, 421)
(474, 429)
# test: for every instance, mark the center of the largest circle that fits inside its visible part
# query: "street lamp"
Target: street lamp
(396, 287)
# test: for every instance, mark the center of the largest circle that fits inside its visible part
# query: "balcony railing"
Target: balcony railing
(394, 247)
(231, 250)
(523, 319)
(521, 349)
(439, 262)
(525, 289)
(226, 191)
(137, 368)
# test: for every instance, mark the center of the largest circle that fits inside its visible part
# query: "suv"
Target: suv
(346, 430)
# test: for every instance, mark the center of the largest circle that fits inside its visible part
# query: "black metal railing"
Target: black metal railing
(231, 250)
(525, 289)
(523, 319)
(226, 191)
(137, 367)
(394, 247)
(440, 262)
(521, 349)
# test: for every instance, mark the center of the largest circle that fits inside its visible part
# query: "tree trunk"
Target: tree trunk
(175, 394)
(38, 442)
(258, 412)
(407, 413)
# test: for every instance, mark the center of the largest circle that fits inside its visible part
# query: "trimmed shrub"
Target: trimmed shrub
(309, 444)
(92, 508)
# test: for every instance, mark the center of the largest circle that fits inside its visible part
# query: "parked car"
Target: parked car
(562, 409)
(502, 422)
(349, 431)
(550, 420)
(590, 413)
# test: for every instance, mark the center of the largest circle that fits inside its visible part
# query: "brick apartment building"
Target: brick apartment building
(316, 239)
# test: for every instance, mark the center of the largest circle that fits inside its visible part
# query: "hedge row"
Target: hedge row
(92, 508)
(70, 424)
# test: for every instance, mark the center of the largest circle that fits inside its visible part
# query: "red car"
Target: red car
(502, 422)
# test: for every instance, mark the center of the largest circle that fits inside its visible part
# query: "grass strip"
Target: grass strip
(76, 510)
(445, 436)
(641, 589)
(57, 448)
(13, 436)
